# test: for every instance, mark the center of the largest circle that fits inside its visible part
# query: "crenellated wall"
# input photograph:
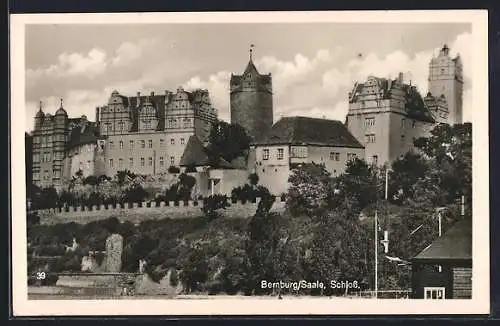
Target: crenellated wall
(146, 211)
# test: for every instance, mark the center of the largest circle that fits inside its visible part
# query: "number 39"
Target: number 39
(40, 275)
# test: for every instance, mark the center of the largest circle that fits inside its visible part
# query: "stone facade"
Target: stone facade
(114, 248)
(297, 140)
(386, 115)
(144, 134)
(251, 101)
(446, 79)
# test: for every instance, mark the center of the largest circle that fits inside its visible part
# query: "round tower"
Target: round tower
(251, 100)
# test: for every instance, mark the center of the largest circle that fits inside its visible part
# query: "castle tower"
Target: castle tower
(59, 140)
(446, 78)
(251, 100)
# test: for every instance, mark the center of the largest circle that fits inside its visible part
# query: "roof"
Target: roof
(416, 107)
(455, 244)
(194, 153)
(309, 131)
(87, 133)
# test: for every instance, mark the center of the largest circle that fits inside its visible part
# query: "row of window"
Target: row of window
(47, 157)
(279, 154)
(46, 175)
(172, 124)
(47, 139)
(111, 162)
(143, 143)
(300, 152)
(370, 122)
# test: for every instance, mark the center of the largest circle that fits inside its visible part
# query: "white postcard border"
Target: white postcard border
(480, 302)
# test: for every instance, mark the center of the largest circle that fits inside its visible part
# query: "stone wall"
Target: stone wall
(147, 210)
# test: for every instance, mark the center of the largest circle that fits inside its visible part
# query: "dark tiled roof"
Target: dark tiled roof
(455, 244)
(194, 153)
(88, 133)
(309, 131)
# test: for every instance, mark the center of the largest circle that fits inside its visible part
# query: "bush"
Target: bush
(214, 203)
(173, 169)
(253, 179)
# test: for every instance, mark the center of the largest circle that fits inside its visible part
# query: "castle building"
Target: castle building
(298, 140)
(446, 79)
(49, 142)
(143, 134)
(251, 100)
(148, 134)
(387, 115)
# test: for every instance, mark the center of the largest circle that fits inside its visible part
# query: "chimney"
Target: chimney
(138, 99)
(97, 115)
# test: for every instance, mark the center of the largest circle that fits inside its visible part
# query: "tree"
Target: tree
(214, 203)
(121, 176)
(253, 178)
(186, 184)
(360, 182)
(227, 141)
(406, 171)
(450, 150)
(308, 191)
(91, 180)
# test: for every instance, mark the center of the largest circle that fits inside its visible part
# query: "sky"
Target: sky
(313, 65)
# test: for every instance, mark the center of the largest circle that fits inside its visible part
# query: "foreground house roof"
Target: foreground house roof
(454, 245)
(195, 154)
(309, 131)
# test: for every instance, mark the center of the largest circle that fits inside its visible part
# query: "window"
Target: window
(402, 123)
(120, 125)
(162, 142)
(402, 138)
(434, 293)
(334, 156)
(369, 122)
(351, 156)
(111, 145)
(121, 144)
(110, 162)
(143, 144)
(109, 128)
(131, 162)
(88, 164)
(280, 153)
(150, 143)
(182, 141)
(299, 152)
(161, 161)
(172, 141)
(265, 154)
(187, 123)
(370, 138)
(142, 161)
(172, 160)
(171, 123)
(150, 161)
(120, 163)
(413, 124)
(131, 144)
(375, 159)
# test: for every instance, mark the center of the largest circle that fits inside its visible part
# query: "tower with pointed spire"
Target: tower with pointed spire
(251, 100)
(446, 80)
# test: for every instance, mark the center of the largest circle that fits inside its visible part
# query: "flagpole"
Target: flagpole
(376, 255)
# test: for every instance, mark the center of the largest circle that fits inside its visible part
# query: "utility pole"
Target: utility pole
(376, 255)
(386, 183)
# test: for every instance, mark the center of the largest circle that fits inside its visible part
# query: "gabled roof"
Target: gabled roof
(455, 244)
(194, 153)
(309, 131)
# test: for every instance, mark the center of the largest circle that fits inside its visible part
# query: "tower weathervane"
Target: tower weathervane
(251, 51)
(61, 102)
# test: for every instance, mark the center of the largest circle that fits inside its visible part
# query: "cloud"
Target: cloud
(87, 65)
(315, 85)
(128, 52)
